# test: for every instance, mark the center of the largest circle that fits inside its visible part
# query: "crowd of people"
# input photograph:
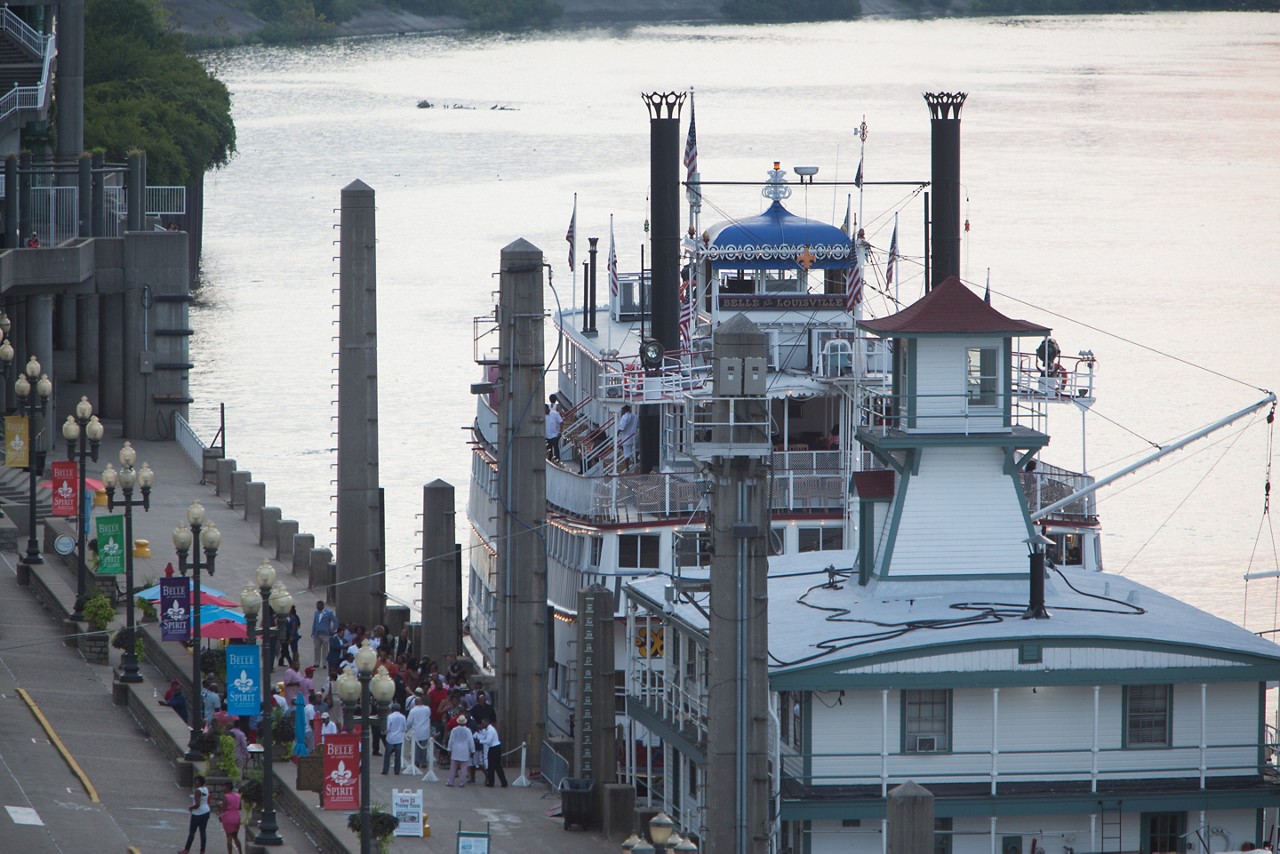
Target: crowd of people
(450, 721)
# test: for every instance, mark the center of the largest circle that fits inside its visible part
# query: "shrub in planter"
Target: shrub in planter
(225, 764)
(207, 743)
(120, 640)
(382, 825)
(145, 607)
(214, 661)
(99, 612)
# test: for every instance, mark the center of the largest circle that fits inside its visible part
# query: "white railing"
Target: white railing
(1065, 378)
(55, 213)
(166, 201)
(881, 412)
(22, 31)
(629, 382)
(30, 97)
(191, 444)
(1049, 484)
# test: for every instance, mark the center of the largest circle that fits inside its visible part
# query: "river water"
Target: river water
(1120, 176)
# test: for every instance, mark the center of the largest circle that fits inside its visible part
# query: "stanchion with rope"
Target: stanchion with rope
(523, 779)
(430, 776)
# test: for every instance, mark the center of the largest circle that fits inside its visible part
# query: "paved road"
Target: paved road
(141, 804)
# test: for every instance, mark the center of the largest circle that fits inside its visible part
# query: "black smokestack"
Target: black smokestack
(589, 308)
(664, 181)
(944, 111)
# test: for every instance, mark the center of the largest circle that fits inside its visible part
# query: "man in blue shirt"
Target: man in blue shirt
(323, 624)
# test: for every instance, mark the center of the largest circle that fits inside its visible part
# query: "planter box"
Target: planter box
(93, 646)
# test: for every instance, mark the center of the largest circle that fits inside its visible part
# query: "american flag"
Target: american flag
(691, 144)
(853, 279)
(572, 236)
(893, 256)
(613, 263)
(686, 313)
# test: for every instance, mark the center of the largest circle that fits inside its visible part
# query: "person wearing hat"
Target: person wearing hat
(419, 723)
(460, 746)
(327, 727)
(278, 696)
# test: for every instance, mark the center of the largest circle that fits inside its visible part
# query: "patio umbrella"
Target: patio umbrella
(153, 593)
(206, 598)
(90, 484)
(221, 623)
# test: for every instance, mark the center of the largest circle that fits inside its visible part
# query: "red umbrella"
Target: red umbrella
(90, 484)
(223, 630)
(206, 598)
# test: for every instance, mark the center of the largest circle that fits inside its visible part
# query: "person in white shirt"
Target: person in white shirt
(554, 423)
(394, 737)
(627, 432)
(419, 723)
(327, 727)
(492, 744)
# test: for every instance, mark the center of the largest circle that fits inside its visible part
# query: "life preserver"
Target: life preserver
(631, 378)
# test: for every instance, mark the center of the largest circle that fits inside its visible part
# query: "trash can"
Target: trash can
(577, 802)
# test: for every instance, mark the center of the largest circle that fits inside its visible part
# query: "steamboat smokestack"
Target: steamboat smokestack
(664, 217)
(944, 112)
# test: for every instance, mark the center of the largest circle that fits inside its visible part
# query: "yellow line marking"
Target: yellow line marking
(62, 748)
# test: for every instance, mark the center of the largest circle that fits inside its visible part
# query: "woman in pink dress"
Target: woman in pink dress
(230, 818)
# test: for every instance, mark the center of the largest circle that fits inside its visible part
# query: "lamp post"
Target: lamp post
(353, 689)
(30, 405)
(275, 602)
(663, 836)
(78, 428)
(191, 536)
(6, 357)
(126, 478)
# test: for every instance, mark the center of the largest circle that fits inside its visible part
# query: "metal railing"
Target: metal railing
(1065, 378)
(30, 97)
(186, 437)
(630, 382)
(1049, 484)
(882, 412)
(166, 201)
(554, 766)
(22, 31)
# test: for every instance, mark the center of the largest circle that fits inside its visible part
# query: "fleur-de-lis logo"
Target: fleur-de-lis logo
(341, 776)
(244, 682)
(16, 443)
(66, 491)
(176, 611)
(111, 549)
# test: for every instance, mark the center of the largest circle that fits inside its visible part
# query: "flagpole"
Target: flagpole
(862, 137)
(893, 262)
(612, 283)
(573, 257)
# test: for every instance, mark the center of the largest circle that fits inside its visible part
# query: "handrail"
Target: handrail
(188, 440)
(30, 97)
(11, 23)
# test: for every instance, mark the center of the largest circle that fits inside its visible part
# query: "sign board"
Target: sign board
(17, 441)
(472, 841)
(110, 545)
(244, 685)
(341, 772)
(175, 609)
(66, 488)
(407, 805)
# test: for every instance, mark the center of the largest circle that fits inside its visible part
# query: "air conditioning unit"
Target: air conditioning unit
(926, 744)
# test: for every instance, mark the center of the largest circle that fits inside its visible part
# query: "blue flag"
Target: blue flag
(244, 675)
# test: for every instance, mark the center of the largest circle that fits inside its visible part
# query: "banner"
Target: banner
(407, 805)
(341, 790)
(244, 686)
(17, 441)
(66, 487)
(175, 609)
(110, 545)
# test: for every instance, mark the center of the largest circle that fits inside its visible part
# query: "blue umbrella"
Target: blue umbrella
(212, 613)
(153, 592)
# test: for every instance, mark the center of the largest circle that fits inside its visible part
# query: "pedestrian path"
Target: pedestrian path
(518, 819)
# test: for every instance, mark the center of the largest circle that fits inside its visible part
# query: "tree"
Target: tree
(143, 91)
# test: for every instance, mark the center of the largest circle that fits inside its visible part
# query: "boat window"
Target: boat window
(1067, 549)
(821, 539)
(597, 551)
(1148, 717)
(983, 376)
(926, 721)
(693, 549)
(638, 551)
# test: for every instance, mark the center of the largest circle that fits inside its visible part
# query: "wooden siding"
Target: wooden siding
(961, 516)
(941, 378)
(1056, 660)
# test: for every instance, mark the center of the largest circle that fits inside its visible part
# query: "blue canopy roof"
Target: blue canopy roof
(775, 239)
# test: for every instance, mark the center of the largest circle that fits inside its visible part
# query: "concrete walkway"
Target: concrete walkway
(517, 818)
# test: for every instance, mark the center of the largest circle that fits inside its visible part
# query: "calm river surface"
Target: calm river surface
(1120, 175)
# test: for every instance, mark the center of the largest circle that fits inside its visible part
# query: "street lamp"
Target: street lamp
(126, 478)
(30, 405)
(275, 602)
(191, 536)
(353, 689)
(663, 836)
(78, 428)
(6, 355)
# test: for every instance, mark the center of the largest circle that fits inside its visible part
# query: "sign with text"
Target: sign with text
(341, 790)
(244, 686)
(175, 609)
(17, 442)
(111, 544)
(66, 487)
(407, 805)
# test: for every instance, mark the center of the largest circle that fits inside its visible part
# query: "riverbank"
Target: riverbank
(228, 21)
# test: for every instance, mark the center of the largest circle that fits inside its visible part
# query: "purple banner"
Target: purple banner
(175, 609)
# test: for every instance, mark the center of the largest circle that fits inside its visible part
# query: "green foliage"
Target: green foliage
(214, 661)
(381, 823)
(509, 14)
(145, 607)
(99, 612)
(251, 789)
(141, 89)
(772, 11)
(120, 640)
(207, 743)
(283, 728)
(225, 763)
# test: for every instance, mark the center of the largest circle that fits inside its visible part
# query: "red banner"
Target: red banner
(341, 772)
(66, 487)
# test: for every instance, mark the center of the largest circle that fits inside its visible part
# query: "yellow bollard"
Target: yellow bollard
(99, 498)
(142, 548)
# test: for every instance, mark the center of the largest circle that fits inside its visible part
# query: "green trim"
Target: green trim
(1030, 653)
(1022, 438)
(895, 517)
(1004, 806)
(1007, 351)
(866, 542)
(1262, 726)
(1020, 498)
